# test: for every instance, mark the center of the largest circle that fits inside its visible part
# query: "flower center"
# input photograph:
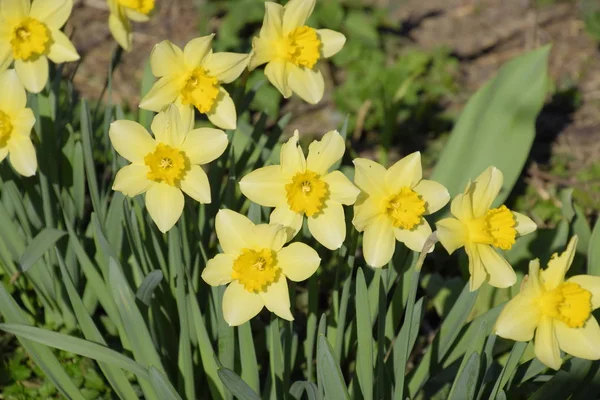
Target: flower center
(141, 6)
(5, 128)
(256, 269)
(30, 39)
(307, 193)
(569, 303)
(301, 47)
(496, 228)
(166, 164)
(200, 90)
(405, 208)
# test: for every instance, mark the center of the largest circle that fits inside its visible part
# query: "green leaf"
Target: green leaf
(44, 241)
(564, 383)
(329, 371)
(509, 368)
(248, 356)
(146, 289)
(593, 260)
(364, 356)
(465, 385)
(88, 157)
(236, 385)
(311, 390)
(161, 385)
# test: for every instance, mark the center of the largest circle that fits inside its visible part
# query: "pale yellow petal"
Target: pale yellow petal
(218, 270)
(23, 122)
(486, 189)
(407, 172)
(524, 224)
(295, 14)
(340, 188)
(196, 50)
(163, 92)
(14, 9)
(195, 184)
(546, 344)
(276, 72)
(435, 195)
(62, 50)
(22, 155)
(462, 206)
(186, 111)
(131, 140)
(379, 242)
(3, 153)
(452, 234)
(370, 178)
(298, 261)
(267, 236)
(518, 319)
(272, 22)
(591, 284)
(121, 30)
(168, 128)
(226, 67)
(277, 299)
(282, 215)
(265, 186)
(322, 154)
(6, 56)
(533, 284)
(53, 13)
(306, 83)
(365, 211)
(329, 225)
(33, 74)
(234, 231)
(132, 180)
(240, 305)
(476, 270)
(167, 59)
(204, 145)
(14, 97)
(291, 157)
(331, 42)
(223, 114)
(263, 52)
(558, 266)
(136, 15)
(502, 275)
(579, 342)
(165, 205)
(414, 238)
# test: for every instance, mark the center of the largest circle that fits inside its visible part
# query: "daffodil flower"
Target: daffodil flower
(256, 266)
(559, 311)
(122, 12)
(193, 77)
(30, 34)
(392, 205)
(304, 186)
(164, 166)
(292, 49)
(16, 122)
(480, 229)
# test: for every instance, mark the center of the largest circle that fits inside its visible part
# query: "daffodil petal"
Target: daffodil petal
(486, 189)
(476, 270)
(332, 42)
(62, 50)
(295, 14)
(558, 265)
(546, 344)
(120, 28)
(15, 9)
(379, 242)
(262, 52)
(240, 305)
(329, 226)
(204, 145)
(131, 140)
(581, 342)
(591, 284)
(414, 238)
(53, 13)
(3, 153)
(277, 299)
(33, 74)
(226, 67)
(132, 180)
(276, 72)
(272, 23)
(13, 98)
(306, 82)
(167, 59)
(365, 211)
(340, 188)
(451, 233)
(370, 177)
(168, 128)
(234, 231)
(265, 186)
(407, 172)
(23, 122)
(223, 113)
(518, 319)
(267, 236)
(322, 154)
(136, 15)
(5, 56)
(163, 92)
(195, 184)
(502, 275)
(462, 206)
(282, 215)
(298, 261)
(435, 195)
(22, 155)
(165, 205)
(291, 157)
(524, 224)
(218, 270)
(196, 50)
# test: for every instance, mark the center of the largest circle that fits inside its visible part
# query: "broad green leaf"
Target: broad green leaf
(161, 385)
(509, 368)
(465, 385)
(275, 358)
(248, 356)
(146, 289)
(88, 157)
(300, 387)
(364, 353)
(44, 241)
(593, 259)
(565, 382)
(329, 371)
(236, 385)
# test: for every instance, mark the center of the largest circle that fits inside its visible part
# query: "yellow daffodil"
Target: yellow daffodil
(256, 266)
(122, 12)
(480, 229)
(30, 34)
(304, 186)
(16, 122)
(193, 77)
(392, 205)
(559, 311)
(292, 50)
(164, 166)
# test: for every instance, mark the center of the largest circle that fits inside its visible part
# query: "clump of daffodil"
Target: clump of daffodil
(16, 122)
(192, 78)
(292, 49)
(256, 266)
(30, 35)
(122, 12)
(481, 230)
(392, 205)
(559, 311)
(304, 186)
(164, 166)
